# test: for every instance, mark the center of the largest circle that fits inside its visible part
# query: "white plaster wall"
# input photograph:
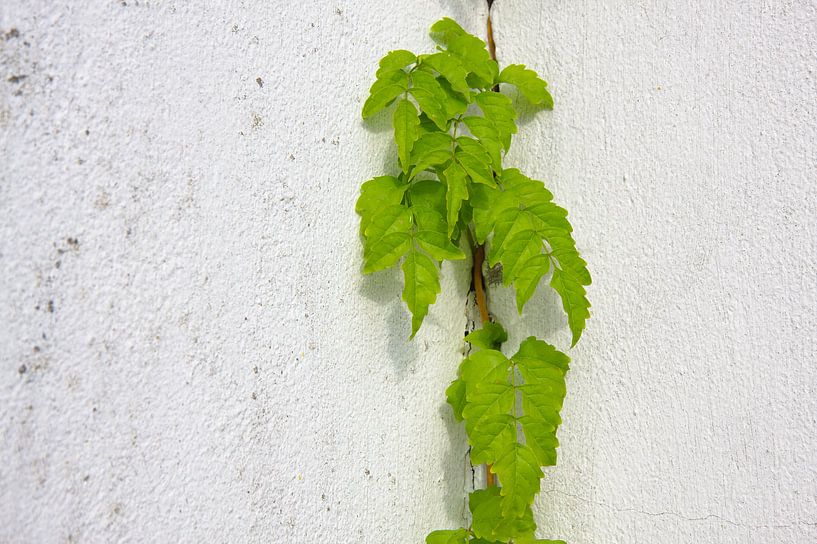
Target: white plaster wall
(205, 362)
(684, 144)
(189, 353)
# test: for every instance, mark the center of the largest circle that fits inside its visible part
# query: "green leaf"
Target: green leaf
(519, 248)
(450, 67)
(491, 430)
(475, 147)
(527, 278)
(482, 201)
(455, 103)
(383, 91)
(432, 234)
(445, 30)
(490, 336)
(431, 97)
(387, 238)
(478, 167)
(574, 301)
(432, 149)
(457, 180)
(485, 366)
(488, 521)
(475, 58)
(428, 193)
(498, 109)
(528, 83)
(456, 536)
(406, 132)
(519, 473)
(377, 194)
(543, 368)
(395, 61)
(488, 136)
(455, 396)
(421, 287)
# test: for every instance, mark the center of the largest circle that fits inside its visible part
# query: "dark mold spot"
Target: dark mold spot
(50, 306)
(17, 79)
(259, 81)
(13, 33)
(22, 369)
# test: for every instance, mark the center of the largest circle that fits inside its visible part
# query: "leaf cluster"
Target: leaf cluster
(452, 131)
(511, 411)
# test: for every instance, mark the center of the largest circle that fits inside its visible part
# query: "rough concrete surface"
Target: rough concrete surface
(188, 350)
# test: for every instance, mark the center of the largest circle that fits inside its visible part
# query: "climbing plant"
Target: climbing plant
(452, 128)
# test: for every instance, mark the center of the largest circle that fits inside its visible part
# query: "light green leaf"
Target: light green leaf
(475, 147)
(498, 109)
(488, 521)
(543, 368)
(376, 194)
(475, 58)
(406, 132)
(455, 396)
(540, 436)
(457, 180)
(387, 238)
(487, 365)
(455, 103)
(450, 67)
(431, 97)
(477, 167)
(516, 251)
(488, 136)
(428, 193)
(482, 201)
(528, 83)
(490, 336)
(421, 287)
(395, 61)
(527, 278)
(432, 234)
(432, 149)
(507, 223)
(491, 430)
(456, 536)
(519, 473)
(445, 30)
(383, 91)
(574, 301)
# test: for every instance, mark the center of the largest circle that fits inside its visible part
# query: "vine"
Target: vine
(452, 128)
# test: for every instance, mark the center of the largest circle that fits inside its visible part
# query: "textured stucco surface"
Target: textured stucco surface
(188, 352)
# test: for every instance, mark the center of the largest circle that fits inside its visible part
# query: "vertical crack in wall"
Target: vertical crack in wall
(472, 313)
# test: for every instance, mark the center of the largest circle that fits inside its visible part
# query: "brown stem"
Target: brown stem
(479, 250)
(479, 283)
